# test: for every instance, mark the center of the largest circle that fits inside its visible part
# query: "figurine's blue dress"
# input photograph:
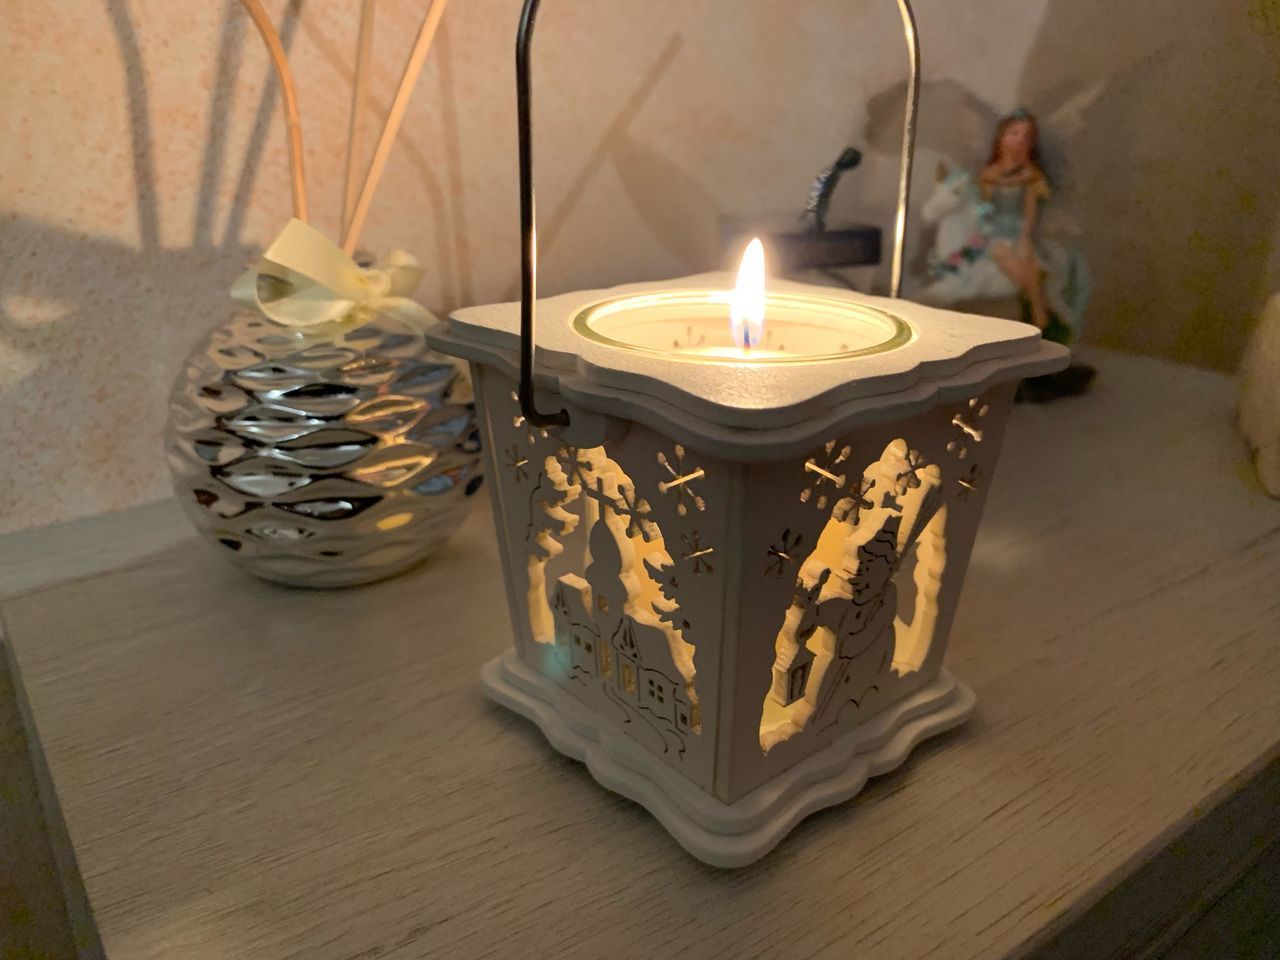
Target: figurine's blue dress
(1005, 211)
(999, 211)
(1005, 216)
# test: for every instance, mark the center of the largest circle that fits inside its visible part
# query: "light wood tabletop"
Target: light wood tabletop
(246, 770)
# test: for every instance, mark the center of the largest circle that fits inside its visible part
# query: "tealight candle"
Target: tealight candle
(745, 325)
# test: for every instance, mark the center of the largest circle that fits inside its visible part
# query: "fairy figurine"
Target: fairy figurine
(990, 243)
(1013, 186)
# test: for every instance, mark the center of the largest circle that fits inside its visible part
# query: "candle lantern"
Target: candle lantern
(734, 518)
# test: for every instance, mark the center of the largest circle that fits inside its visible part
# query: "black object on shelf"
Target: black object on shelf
(795, 246)
(808, 242)
(824, 187)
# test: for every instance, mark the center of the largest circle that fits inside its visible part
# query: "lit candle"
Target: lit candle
(745, 325)
(746, 312)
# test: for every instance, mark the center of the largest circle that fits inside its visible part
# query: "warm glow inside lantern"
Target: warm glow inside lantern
(734, 552)
(732, 574)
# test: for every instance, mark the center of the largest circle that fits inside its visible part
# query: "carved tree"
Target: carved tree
(550, 521)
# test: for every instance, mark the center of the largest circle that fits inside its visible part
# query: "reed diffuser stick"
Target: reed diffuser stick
(289, 94)
(359, 85)
(412, 70)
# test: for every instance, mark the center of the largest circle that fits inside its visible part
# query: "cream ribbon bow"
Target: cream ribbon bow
(307, 279)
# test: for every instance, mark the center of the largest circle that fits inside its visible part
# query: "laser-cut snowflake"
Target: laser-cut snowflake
(517, 464)
(578, 470)
(971, 482)
(682, 477)
(636, 510)
(519, 422)
(696, 554)
(968, 422)
(826, 481)
(909, 479)
(782, 554)
(849, 510)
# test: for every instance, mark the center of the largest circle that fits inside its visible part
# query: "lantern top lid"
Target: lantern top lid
(903, 357)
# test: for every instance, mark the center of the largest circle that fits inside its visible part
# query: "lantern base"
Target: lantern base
(718, 833)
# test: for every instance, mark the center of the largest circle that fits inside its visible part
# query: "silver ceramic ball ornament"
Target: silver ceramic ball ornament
(324, 455)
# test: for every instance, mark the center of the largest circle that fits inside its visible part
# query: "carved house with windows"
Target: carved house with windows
(616, 629)
(577, 642)
(795, 660)
(646, 677)
(791, 674)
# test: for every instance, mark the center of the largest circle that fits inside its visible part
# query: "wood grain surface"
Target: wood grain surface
(41, 556)
(252, 771)
(33, 916)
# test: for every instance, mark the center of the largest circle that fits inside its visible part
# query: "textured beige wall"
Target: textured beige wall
(141, 164)
(1178, 165)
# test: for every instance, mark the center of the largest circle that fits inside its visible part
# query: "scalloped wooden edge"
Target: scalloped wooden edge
(591, 403)
(721, 834)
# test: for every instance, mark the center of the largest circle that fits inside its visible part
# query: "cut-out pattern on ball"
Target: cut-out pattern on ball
(328, 457)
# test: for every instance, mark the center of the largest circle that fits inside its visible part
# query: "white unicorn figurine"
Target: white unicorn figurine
(964, 270)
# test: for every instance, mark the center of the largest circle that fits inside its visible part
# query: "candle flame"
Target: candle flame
(746, 310)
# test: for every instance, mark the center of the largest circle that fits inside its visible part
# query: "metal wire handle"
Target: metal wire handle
(529, 228)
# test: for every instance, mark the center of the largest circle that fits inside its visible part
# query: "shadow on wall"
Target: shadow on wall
(55, 300)
(94, 326)
(452, 262)
(1176, 166)
(686, 223)
(1161, 130)
(676, 225)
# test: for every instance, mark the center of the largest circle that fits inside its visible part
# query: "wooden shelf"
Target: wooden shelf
(251, 771)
